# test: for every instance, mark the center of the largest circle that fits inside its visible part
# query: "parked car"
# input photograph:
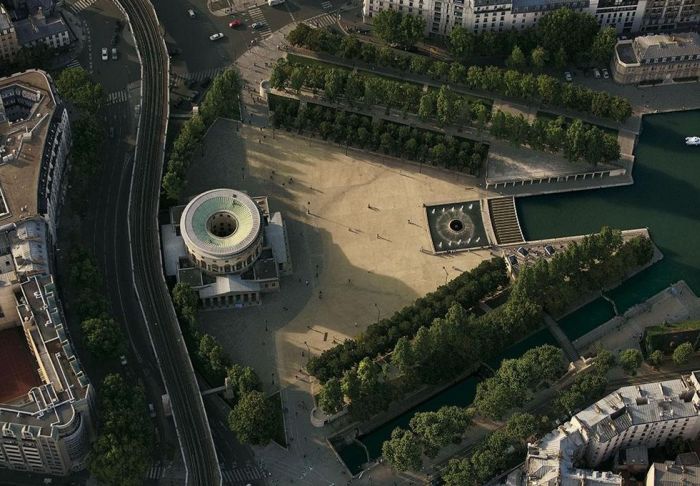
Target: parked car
(234, 23)
(568, 76)
(258, 25)
(606, 74)
(216, 36)
(191, 13)
(122, 360)
(151, 410)
(596, 73)
(115, 39)
(105, 56)
(115, 54)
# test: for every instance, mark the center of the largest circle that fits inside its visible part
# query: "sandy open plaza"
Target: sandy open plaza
(356, 226)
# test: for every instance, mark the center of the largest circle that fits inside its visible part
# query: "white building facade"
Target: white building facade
(645, 415)
(478, 16)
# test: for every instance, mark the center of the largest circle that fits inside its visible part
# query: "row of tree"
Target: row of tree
(75, 86)
(208, 356)
(429, 432)
(516, 381)
(445, 106)
(598, 261)
(508, 82)
(122, 453)
(253, 416)
(577, 140)
(561, 36)
(102, 335)
(466, 290)
(499, 451)
(395, 139)
(221, 100)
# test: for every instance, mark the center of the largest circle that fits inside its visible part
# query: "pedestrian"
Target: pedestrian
(307, 283)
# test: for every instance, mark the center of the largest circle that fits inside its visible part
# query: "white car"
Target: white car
(105, 55)
(216, 36)
(122, 360)
(568, 76)
(606, 74)
(191, 13)
(596, 73)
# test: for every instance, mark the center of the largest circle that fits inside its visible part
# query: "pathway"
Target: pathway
(561, 338)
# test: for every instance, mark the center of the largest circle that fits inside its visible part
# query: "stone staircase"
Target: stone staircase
(504, 219)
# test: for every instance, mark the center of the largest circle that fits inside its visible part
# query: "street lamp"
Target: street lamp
(446, 274)
(377, 307)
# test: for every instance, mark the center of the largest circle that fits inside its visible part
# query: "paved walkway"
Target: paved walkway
(561, 338)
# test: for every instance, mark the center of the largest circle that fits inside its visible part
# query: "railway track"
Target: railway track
(191, 423)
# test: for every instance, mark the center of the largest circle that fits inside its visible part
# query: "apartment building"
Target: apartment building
(661, 15)
(37, 28)
(35, 138)
(657, 58)
(8, 37)
(478, 16)
(46, 400)
(646, 415)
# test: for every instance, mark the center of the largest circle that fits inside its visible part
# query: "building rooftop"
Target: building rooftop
(221, 222)
(5, 21)
(684, 471)
(666, 45)
(35, 28)
(553, 457)
(28, 105)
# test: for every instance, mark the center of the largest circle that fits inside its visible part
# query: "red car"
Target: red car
(235, 23)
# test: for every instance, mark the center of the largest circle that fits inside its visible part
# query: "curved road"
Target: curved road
(191, 422)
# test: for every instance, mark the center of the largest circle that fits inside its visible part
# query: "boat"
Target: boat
(692, 140)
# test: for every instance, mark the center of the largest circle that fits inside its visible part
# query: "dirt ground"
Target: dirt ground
(353, 264)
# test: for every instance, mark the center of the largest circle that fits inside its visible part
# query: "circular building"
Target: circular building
(222, 230)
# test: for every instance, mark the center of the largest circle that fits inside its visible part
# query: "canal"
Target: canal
(664, 198)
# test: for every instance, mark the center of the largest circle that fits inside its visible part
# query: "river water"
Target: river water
(664, 198)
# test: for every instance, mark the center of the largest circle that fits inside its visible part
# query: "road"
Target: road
(176, 369)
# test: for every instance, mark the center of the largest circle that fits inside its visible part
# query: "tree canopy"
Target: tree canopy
(253, 419)
(396, 28)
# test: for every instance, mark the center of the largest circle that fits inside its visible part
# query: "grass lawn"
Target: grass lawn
(280, 437)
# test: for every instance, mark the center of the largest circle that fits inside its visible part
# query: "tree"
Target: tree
(75, 85)
(412, 29)
(603, 45)
(630, 360)
(461, 42)
(427, 105)
(516, 60)
(330, 399)
(604, 361)
(387, 26)
(402, 451)
(253, 419)
(122, 452)
(103, 337)
(296, 79)
(538, 57)
(656, 358)
(438, 429)
(682, 354)
(186, 301)
(572, 32)
(242, 380)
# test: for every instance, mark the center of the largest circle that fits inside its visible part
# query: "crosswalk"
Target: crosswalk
(117, 97)
(323, 20)
(241, 475)
(257, 16)
(74, 64)
(80, 5)
(196, 76)
(155, 472)
(326, 5)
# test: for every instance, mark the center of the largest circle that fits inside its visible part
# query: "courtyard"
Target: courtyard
(357, 231)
